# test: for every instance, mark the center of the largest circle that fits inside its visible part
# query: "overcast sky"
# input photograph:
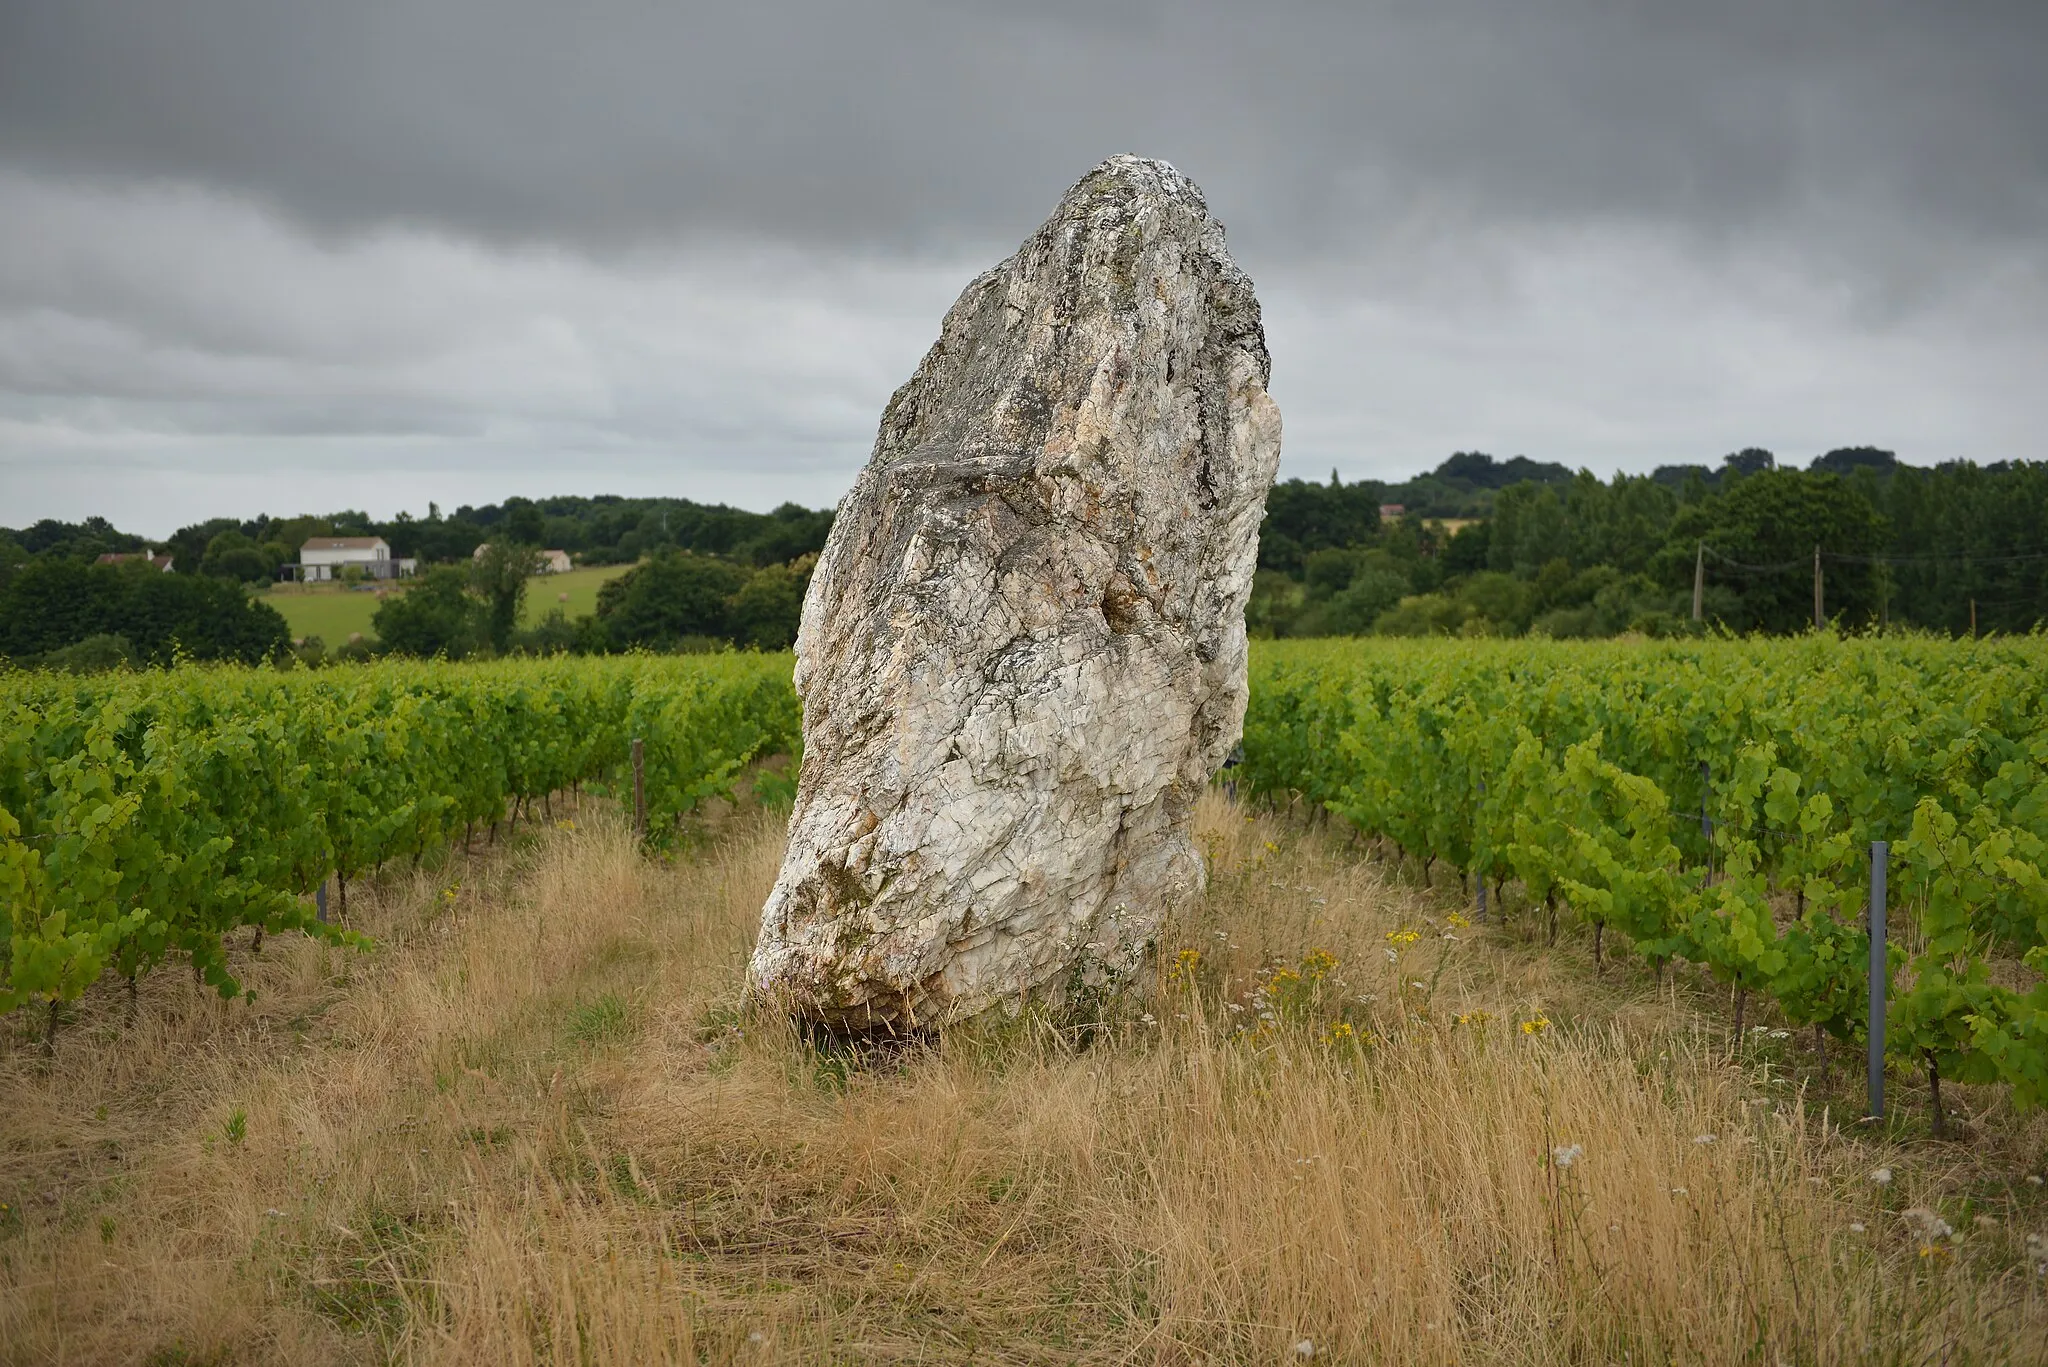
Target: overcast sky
(269, 256)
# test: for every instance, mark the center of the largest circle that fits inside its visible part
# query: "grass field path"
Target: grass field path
(537, 1124)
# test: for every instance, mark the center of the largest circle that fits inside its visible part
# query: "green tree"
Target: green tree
(92, 655)
(792, 532)
(1372, 585)
(437, 615)
(13, 556)
(671, 597)
(1469, 548)
(524, 523)
(499, 577)
(768, 608)
(1763, 530)
(1424, 614)
(1504, 602)
(231, 555)
(187, 545)
(54, 604)
(1303, 517)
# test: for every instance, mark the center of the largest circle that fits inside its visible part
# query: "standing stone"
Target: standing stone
(1022, 655)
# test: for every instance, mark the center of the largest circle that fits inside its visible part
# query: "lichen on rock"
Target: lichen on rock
(1022, 654)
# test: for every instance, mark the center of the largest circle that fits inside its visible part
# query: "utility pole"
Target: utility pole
(1880, 973)
(1973, 617)
(1819, 610)
(639, 789)
(1699, 582)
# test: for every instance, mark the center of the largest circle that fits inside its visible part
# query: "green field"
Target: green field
(575, 593)
(333, 611)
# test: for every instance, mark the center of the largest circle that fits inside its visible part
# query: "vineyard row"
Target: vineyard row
(146, 815)
(1711, 802)
(1715, 802)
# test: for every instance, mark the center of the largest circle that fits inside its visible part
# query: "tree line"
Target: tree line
(604, 530)
(1480, 547)
(1954, 548)
(676, 601)
(705, 575)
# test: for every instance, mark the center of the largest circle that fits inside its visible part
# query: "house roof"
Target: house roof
(116, 557)
(478, 553)
(342, 543)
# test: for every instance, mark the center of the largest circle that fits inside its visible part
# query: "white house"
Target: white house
(325, 557)
(551, 562)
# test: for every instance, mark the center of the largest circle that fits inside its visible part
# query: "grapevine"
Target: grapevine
(145, 816)
(1714, 802)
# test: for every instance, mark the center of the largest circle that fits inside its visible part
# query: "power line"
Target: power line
(1733, 563)
(1933, 559)
(1840, 557)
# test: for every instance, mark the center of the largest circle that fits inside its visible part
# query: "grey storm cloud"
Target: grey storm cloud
(890, 125)
(250, 251)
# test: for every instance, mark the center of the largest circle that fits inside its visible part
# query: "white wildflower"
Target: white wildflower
(1928, 1225)
(1678, 1191)
(2033, 1180)
(1305, 1349)
(1705, 1138)
(1564, 1155)
(1882, 1176)
(1857, 1227)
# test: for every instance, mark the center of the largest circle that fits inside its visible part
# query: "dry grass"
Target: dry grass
(536, 1126)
